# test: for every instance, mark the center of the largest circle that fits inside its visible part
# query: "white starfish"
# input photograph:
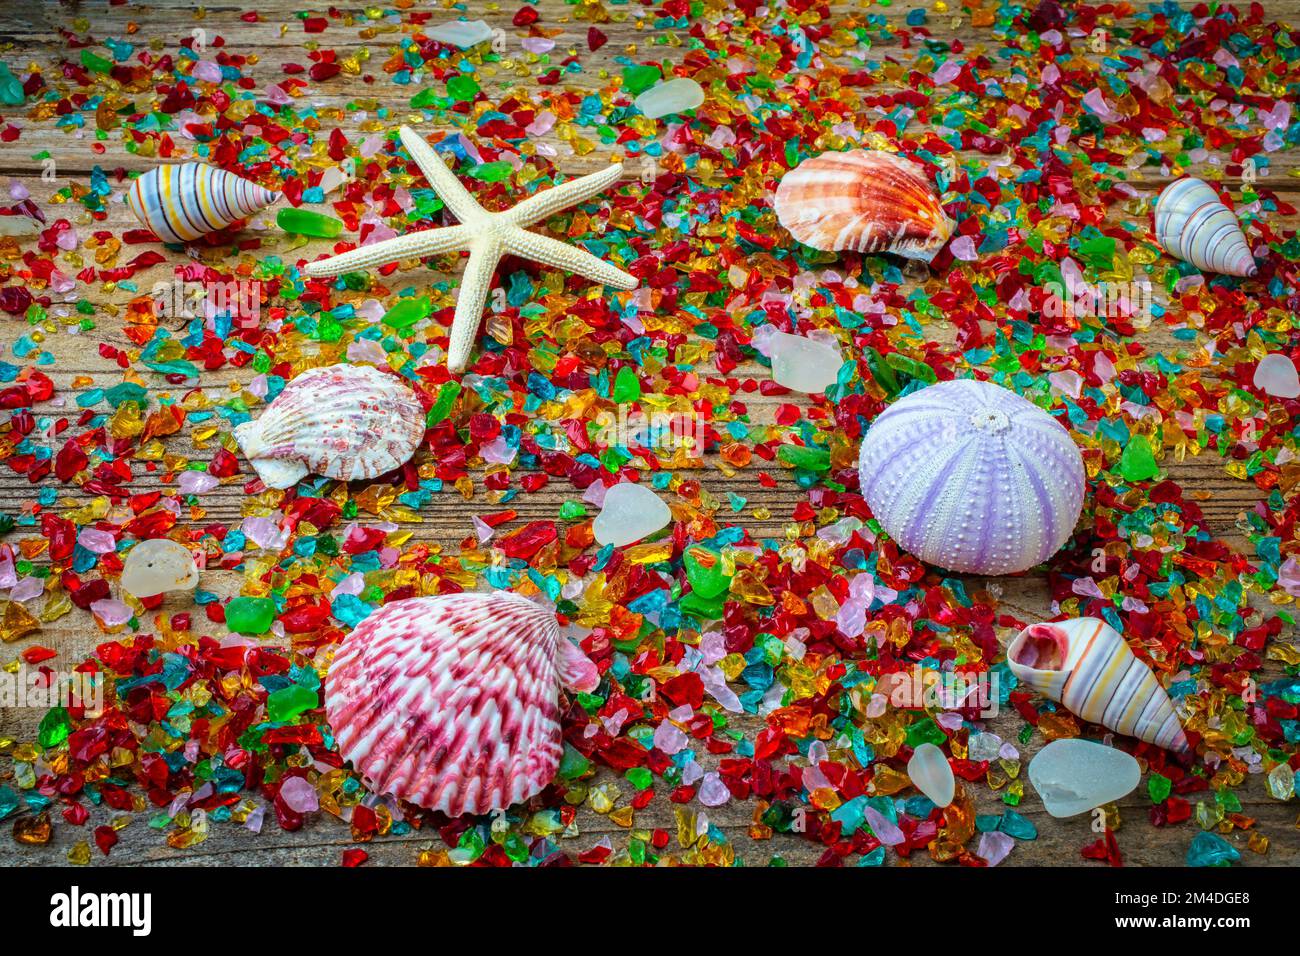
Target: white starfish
(487, 236)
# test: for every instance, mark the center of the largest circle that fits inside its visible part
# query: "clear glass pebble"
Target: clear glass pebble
(669, 97)
(803, 364)
(1276, 374)
(157, 566)
(461, 33)
(1074, 776)
(631, 512)
(332, 179)
(19, 227)
(930, 773)
(983, 746)
(1281, 782)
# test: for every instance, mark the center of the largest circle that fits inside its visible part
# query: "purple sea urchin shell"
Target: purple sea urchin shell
(971, 477)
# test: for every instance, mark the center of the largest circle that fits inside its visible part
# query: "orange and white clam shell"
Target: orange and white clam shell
(865, 201)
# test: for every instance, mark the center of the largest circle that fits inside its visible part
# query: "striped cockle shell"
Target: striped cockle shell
(350, 422)
(971, 477)
(181, 202)
(1194, 225)
(452, 702)
(865, 201)
(1087, 667)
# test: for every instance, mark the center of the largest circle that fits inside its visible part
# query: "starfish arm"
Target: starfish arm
(561, 255)
(444, 182)
(550, 201)
(474, 286)
(413, 245)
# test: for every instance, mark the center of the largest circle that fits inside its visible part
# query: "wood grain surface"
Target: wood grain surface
(33, 32)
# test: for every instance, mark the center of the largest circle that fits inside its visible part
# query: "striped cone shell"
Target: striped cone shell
(865, 201)
(452, 702)
(179, 203)
(971, 477)
(1087, 667)
(350, 422)
(1192, 224)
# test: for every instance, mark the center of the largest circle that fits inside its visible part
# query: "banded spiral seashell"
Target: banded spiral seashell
(865, 201)
(350, 422)
(1192, 224)
(179, 203)
(1087, 667)
(452, 702)
(971, 477)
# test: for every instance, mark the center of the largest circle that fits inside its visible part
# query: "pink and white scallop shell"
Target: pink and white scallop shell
(452, 702)
(350, 422)
(969, 476)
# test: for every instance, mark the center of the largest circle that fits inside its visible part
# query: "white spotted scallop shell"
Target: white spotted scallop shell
(865, 200)
(971, 477)
(350, 422)
(452, 702)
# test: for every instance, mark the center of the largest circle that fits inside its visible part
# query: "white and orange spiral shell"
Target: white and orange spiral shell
(1086, 666)
(181, 202)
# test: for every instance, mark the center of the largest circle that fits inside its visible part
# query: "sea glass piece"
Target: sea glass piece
(1137, 462)
(304, 222)
(803, 364)
(16, 622)
(994, 847)
(407, 312)
(19, 227)
(1210, 849)
(158, 566)
(983, 747)
(461, 33)
(250, 615)
(670, 97)
(1073, 776)
(631, 512)
(1276, 375)
(705, 571)
(11, 89)
(1281, 782)
(930, 773)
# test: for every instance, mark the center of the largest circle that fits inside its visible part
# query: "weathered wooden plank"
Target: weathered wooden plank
(30, 31)
(322, 841)
(632, 33)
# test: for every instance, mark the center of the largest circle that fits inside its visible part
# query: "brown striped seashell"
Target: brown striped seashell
(866, 201)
